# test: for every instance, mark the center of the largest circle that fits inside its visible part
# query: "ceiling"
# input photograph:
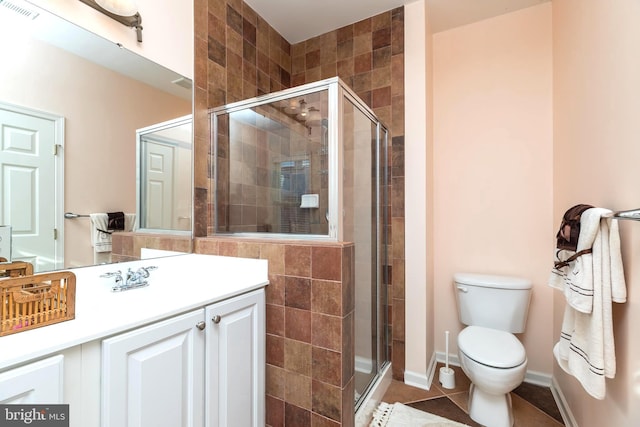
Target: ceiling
(299, 20)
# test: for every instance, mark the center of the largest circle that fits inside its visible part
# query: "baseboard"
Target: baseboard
(417, 379)
(432, 368)
(531, 377)
(563, 406)
(453, 358)
(538, 378)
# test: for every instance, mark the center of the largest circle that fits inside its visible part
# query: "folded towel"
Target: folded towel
(590, 281)
(116, 220)
(100, 234)
(129, 222)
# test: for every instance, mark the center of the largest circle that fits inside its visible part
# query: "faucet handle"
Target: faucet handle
(116, 274)
(144, 271)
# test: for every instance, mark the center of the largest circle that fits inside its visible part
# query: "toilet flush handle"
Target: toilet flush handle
(462, 289)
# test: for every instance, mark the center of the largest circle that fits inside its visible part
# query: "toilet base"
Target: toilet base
(490, 410)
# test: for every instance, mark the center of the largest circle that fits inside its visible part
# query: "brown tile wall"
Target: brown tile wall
(369, 56)
(310, 328)
(126, 246)
(244, 194)
(238, 55)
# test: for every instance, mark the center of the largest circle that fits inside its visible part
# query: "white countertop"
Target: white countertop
(180, 284)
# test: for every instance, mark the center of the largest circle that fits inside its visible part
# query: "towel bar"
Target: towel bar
(70, 215)
(633, 214)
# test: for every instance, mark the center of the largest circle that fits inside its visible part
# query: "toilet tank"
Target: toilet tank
(498, 302)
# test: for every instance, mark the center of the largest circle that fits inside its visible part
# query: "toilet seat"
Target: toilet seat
(491, 347)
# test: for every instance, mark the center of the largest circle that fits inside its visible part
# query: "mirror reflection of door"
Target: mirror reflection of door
(164, 167)
(30, 185)
(159, 161)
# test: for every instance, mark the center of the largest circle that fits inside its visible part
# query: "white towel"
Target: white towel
(101, 236)
(591, 283)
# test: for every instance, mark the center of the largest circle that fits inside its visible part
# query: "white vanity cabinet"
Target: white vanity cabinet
(205, 367)
(34, 383)
(235, 362)
(153, 376)
(151, 356)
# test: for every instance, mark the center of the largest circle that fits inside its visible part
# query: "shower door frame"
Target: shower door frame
(382, 225)
(337, 90)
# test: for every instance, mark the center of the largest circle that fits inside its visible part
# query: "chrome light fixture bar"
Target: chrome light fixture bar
(134, 20)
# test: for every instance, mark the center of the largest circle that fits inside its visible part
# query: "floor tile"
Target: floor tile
(527, 415)
(533, 406)
(541, 398)
(462, 383)
(444, 407)
(400, 392)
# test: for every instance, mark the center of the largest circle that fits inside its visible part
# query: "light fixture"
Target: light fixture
(314, 118)
(292, 106)
(119, 7)
(303, 108)
(123, 11)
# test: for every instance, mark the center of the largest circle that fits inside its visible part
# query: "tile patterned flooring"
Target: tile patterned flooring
(533, 406)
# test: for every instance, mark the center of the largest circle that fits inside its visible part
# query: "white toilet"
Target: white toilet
(493, 308)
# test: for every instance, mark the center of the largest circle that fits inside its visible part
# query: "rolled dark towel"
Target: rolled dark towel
(116, 220)
(567, 236)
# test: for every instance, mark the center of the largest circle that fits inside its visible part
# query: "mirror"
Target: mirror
(72, 101)
(164, 181)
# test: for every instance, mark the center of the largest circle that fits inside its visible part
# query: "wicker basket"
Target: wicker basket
(15, 269)
(30, 302)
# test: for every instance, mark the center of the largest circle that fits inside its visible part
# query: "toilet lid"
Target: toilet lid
(491, 347)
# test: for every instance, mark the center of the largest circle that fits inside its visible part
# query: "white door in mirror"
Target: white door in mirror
(28, 183)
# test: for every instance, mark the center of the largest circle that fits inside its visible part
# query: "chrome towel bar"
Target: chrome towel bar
(633, 214)
(70, 215)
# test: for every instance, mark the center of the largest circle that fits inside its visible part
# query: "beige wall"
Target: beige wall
(493, 164)
(96, 139)
(419, 291)
(596, 152)
(102, 111)
(167, 36)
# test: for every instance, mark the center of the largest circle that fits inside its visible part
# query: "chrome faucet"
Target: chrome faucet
(133, 279)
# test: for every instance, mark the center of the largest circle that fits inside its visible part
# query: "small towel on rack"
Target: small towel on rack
(116, 220)
(591, 281)
(101, 233)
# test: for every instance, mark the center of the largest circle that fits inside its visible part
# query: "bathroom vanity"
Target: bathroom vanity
(187, 350)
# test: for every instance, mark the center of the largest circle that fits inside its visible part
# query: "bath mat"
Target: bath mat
(399, 415)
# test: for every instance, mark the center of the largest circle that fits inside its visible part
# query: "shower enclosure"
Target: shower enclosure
(311, 163)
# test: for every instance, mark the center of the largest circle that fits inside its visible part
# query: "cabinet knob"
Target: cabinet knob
(216, 318)
(201, 325)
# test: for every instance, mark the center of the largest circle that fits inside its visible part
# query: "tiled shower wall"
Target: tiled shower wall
(369, 57)
(238, 55)
(310, 328)
(251, 151)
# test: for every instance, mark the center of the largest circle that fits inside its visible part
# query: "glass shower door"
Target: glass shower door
(363, 223)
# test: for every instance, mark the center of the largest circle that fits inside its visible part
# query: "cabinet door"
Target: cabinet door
(235, 362)
(35, 383)
(152, 376)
